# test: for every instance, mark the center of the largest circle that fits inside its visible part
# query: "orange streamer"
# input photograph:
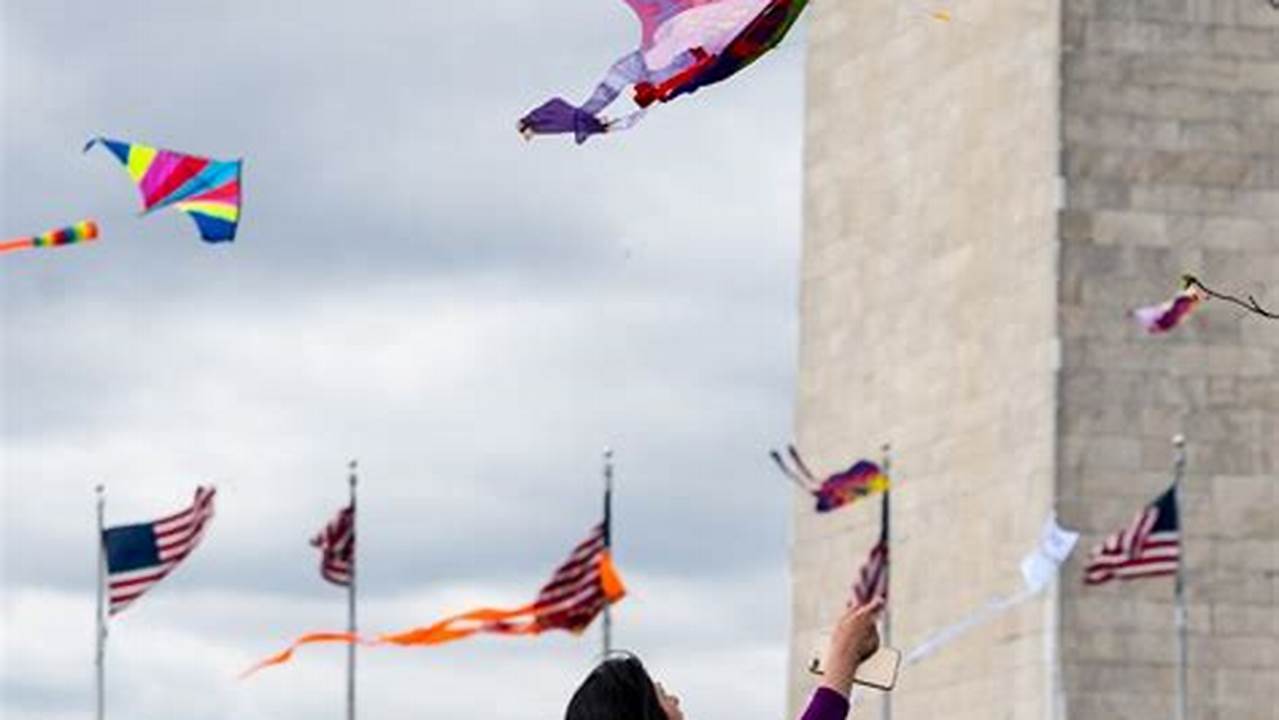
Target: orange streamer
(520, 621)
(17, 245)
(482, 620)
(309, 639)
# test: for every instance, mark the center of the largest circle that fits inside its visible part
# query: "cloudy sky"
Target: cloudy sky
(471, 316)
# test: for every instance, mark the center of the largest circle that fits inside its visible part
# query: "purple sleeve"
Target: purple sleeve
(826, 705)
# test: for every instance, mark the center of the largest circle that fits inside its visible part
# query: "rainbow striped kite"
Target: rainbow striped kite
(207, 190)
(84, 231)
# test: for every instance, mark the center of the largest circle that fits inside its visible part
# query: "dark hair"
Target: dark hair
(619, 688)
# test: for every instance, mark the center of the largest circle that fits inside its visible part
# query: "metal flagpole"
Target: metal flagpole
(100, 627)
(1179, 472)
(350, 601)
(607, 622)
(1053, 644)
(885, 529)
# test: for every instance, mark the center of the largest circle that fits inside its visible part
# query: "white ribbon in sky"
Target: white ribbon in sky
(1038, 569)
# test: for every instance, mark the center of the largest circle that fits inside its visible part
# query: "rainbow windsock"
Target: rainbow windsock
(84, 231)
(843, 488)
(207, 190)
(840, 489)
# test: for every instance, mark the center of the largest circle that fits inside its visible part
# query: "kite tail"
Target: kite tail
(799, 463)
(504, 622)
(286, 654)
(626, 122)
(557, 115)
(446, 630)
(524, 620)
(83, 231)
(625, 72)
(19, 244)
(791, 474)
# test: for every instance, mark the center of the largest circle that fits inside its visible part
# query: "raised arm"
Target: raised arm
(853, 639)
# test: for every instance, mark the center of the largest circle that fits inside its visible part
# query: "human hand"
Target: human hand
(669, 703)
(853, 639)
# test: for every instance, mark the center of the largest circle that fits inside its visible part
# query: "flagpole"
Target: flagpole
(1179, 472)
(100, 628)
(607, 622)
(885, 530)
(1057, 696)
(350, 602)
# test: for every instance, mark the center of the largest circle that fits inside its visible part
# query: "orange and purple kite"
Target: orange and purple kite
(684, 45)
(81, 232)
(207, 190)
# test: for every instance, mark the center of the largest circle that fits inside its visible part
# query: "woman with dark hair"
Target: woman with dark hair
(619, 688)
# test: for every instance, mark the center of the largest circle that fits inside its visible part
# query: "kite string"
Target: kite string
(1251, 305)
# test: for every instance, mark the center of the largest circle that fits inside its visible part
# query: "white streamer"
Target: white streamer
(1038, 569)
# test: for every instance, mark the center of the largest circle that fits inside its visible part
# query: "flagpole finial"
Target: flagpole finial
(886, 447)
(608, 453)
(1179, 441)
(99, 488)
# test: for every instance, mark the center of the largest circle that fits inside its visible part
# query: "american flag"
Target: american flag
(139, 556)
(872, 580)
(1149, 546)
(337, 547)
(578, 590)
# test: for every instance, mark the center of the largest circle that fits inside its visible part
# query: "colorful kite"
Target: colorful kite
(207, 190)
(84, 231)
(843, 488)
(1166, 316)
(685, 45)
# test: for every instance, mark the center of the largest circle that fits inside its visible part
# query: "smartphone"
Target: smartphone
(878, 671)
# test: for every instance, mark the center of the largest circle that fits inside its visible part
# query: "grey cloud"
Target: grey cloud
(516, 449)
